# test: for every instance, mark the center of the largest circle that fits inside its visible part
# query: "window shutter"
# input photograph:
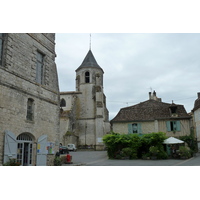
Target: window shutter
(178, 125)
(41, 151)
(168, 126)
(130, 128)
(10, 146)
(139, 128)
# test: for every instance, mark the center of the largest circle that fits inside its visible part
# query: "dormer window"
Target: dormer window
(87, 77)
(173, 109)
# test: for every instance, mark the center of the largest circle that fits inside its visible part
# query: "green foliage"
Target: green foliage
(12, 162)
(115, 142)
(129, 152)
(68, 133)
(146, 155)
(154, 150)
(57, 161)
(151, 139)
(191, 142)
(162, 154)
(132, 145)
(158, 151)
(185, 152)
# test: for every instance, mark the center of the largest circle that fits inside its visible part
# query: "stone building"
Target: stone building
(29, 98)
(196, 118)
(153, 115)
(84, 116)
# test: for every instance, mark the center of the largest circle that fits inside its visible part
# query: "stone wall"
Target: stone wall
(18, 84)
(197, 123)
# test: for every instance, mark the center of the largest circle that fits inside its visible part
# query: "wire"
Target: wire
(137, 102)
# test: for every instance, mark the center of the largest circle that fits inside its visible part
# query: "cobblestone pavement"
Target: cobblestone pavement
(100, 158)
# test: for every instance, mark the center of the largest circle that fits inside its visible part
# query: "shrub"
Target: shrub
(12, 162)
(115, 142)
(154, 150)
(185, 152)
(162, 155)
(191, 141)
(146, 155)
(136, 145)
(151, 139)
(57, 161)
(129, 152)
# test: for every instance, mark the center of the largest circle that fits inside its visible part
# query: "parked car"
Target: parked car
(63, 149)
(71, 147)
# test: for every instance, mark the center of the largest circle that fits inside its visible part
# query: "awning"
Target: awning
(172, 140)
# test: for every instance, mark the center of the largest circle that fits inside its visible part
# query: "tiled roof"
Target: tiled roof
(89, 61)
(149, 110)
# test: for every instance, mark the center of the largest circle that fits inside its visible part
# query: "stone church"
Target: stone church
(84, 116)
(29, 98)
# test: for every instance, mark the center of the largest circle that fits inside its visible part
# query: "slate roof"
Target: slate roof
(149, 110)
(89, 61)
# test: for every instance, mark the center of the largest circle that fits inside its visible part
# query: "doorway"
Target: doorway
(24, 149)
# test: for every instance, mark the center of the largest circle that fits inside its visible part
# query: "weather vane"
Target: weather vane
(90, 41)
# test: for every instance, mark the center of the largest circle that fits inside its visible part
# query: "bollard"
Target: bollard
(68, 159)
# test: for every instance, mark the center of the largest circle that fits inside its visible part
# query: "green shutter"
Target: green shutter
(168, 126)
(130, 128)
(139, 128)
(178, 125)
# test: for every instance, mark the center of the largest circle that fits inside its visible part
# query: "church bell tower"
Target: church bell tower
(92, 117)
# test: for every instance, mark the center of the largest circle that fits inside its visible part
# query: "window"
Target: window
(134, 128)
(62, 103)
(87, 77)
(1, 47)
(173, 126)
(39, 68)
(173, 110)
(30, 105)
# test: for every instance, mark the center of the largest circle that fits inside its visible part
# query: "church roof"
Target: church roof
(89, 61)
(149, 110)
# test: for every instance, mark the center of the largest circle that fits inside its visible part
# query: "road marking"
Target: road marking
(184, 161)
(96, 161)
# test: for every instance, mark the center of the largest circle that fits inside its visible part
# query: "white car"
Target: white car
(71, 147)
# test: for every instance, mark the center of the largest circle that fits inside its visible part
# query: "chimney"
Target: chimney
(149, 95)
(198, 94)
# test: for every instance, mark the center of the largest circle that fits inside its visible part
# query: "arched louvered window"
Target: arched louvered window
(62, 103)
(87, 77)
(24, 137)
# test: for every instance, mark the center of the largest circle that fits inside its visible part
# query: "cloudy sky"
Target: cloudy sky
(134, 65)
